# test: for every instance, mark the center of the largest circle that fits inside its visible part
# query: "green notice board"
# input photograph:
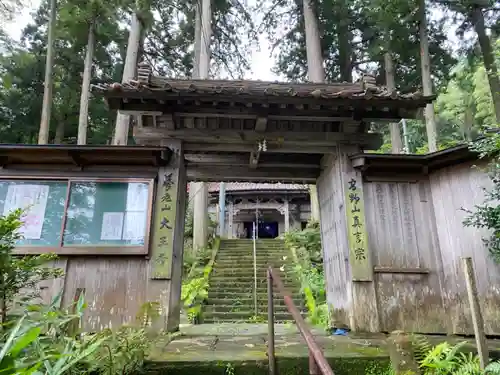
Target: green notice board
(107, 213)
(45, 229)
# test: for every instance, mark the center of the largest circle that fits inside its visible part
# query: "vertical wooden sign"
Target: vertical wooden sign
(359, 255)
(164, 222)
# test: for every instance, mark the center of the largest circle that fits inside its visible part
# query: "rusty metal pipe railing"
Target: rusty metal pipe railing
(318, 365)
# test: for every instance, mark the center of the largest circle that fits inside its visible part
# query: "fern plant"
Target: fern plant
(447, 359)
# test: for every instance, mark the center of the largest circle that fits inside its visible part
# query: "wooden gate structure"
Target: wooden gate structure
(391, 225)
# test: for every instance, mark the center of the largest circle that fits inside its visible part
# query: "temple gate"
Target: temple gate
(276, 132)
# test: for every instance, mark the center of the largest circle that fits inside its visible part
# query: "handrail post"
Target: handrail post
(255, 269)
(313, 366)
(270, 324)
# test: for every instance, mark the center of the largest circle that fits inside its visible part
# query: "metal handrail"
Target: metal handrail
(318, 365)
(256, 311)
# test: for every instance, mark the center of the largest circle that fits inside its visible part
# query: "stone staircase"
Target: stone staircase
(230, 294)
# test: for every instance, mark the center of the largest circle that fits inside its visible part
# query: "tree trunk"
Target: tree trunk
(129, 69)
(84, 98)
(315, 69)
(206, 37)
(345, 47)
(430, 117)
(396, 142)
(488, 58)
(316, 74)
(197, 41)
(43, 135)
(195, 74)
(58, 139)
(200, 203)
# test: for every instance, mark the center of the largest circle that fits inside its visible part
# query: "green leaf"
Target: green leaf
(25, 340)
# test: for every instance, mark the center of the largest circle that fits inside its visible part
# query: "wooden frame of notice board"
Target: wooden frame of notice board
(87, 249)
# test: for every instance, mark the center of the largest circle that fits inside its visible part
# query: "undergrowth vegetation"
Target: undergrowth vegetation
(447, 359)
(305, 246)
(39, 338)
(197, 266)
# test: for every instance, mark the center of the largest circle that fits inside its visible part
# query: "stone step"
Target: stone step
(249, 257)
(234, 281)
(280, 309)
(247, 287)
(245, 290)
(232, 294)
(249, 301)
(214, 317)
(243, 263)
(258, 247)
(240, 270)
(250, 252)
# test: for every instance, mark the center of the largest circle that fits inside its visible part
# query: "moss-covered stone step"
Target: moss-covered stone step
(261, 273)
(240, 349)
(249, 257)
(230, 285)
(248, 305)
(243, 263)
(242, 316)
(248, 301)
(235, 294)
(247, 278)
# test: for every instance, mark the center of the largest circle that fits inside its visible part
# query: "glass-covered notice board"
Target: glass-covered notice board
(80, 216)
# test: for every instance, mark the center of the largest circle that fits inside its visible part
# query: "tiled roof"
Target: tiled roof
(364, 88)
(246, 186)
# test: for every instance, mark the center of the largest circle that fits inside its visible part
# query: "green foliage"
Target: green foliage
(194, 294)
(305, 246)
(195, 286)
(42, 341)
(19, 273)
(447, 359)
(487, 215)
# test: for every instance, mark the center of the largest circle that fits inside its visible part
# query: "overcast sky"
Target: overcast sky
(261, 62)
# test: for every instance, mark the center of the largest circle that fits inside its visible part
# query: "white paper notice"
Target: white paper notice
(32, 198)
(135, 226)
(137, 197)
(112, 225)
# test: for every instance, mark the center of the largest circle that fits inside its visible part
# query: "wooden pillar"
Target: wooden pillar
(200, 215)
(346, 252)
(167, 242)
(230, 220)
(286, 212)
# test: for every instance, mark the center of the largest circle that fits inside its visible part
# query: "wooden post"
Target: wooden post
(401, 354)
(477, 317)
(286, 213)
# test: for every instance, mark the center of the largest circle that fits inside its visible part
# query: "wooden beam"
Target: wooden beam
(199, 173)
(382, 112)
(129, 100)
(265, 160)
(249, 147)
(300, 139)
(141, 113)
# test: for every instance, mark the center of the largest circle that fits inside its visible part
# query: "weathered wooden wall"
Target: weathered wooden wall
(416, 239)
(454, 188)
(334, 243)
(404, 246)
(416, 235)
(117, 287)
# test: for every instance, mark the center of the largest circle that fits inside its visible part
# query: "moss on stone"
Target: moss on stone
(286, 366)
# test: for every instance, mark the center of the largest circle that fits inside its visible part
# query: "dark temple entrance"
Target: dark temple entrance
(265, 229)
